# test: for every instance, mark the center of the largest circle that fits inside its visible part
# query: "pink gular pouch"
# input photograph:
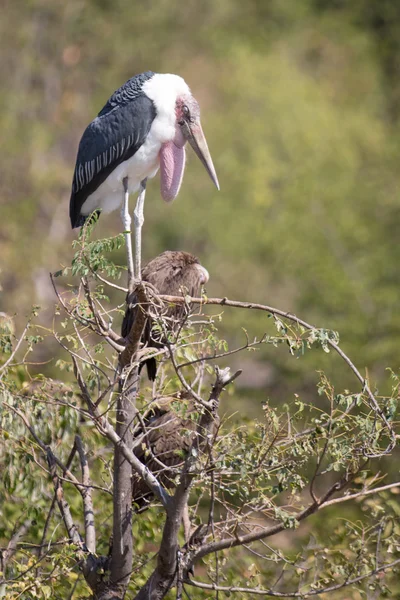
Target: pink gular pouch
(172, 165)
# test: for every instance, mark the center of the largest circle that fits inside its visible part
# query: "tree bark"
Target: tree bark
(122, 547)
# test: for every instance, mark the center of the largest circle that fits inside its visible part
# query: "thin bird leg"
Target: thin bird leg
(138, 217)
(126, 222)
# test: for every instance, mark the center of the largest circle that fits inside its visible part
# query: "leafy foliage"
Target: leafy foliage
(255, 486)
(307, 154)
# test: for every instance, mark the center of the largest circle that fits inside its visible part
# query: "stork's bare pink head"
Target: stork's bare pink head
(172, 156)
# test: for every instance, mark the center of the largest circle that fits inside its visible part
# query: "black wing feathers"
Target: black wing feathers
(111, 138)
(127, 92)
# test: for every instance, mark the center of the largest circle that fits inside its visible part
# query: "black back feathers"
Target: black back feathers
(113, 137)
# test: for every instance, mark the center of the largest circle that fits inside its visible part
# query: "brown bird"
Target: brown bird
(164, 442)
(173, 273)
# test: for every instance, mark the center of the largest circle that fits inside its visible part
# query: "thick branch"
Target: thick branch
(164, 575)
(90, 532)
(135, 334)
(122, 550)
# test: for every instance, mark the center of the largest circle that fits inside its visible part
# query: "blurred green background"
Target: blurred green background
(300, 104)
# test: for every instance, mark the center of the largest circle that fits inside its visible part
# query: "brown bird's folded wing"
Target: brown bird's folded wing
(164, 445)
(171, 273)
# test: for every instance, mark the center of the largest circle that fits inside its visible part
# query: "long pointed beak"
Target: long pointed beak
(193, 133)
(204, 274)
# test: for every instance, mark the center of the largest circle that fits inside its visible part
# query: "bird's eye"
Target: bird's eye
(186, 117)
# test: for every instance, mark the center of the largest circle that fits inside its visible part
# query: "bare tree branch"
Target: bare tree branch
(42, 545)
(17, 347)
(363, 493)
(122, 550)
(97, 325)
(133, 339)
(109, 283)
(88, 562)
(263, 532)
(63, 505)
(90, 532)
(8, 553)
(298, 321)
(305, 594)
(106, 429)
(46, 449)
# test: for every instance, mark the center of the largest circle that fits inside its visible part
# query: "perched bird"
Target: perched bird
(164, 442)
(144, 126)
(173, 273)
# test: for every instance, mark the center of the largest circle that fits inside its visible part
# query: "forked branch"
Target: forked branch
(165, 574)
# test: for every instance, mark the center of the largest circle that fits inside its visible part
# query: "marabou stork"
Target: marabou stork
(172, 273)
(143, 127)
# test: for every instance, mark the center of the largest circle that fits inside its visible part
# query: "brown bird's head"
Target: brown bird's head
(174, 272)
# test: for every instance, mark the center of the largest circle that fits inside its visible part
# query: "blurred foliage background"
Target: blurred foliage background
(301, 108)
(300, 104)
